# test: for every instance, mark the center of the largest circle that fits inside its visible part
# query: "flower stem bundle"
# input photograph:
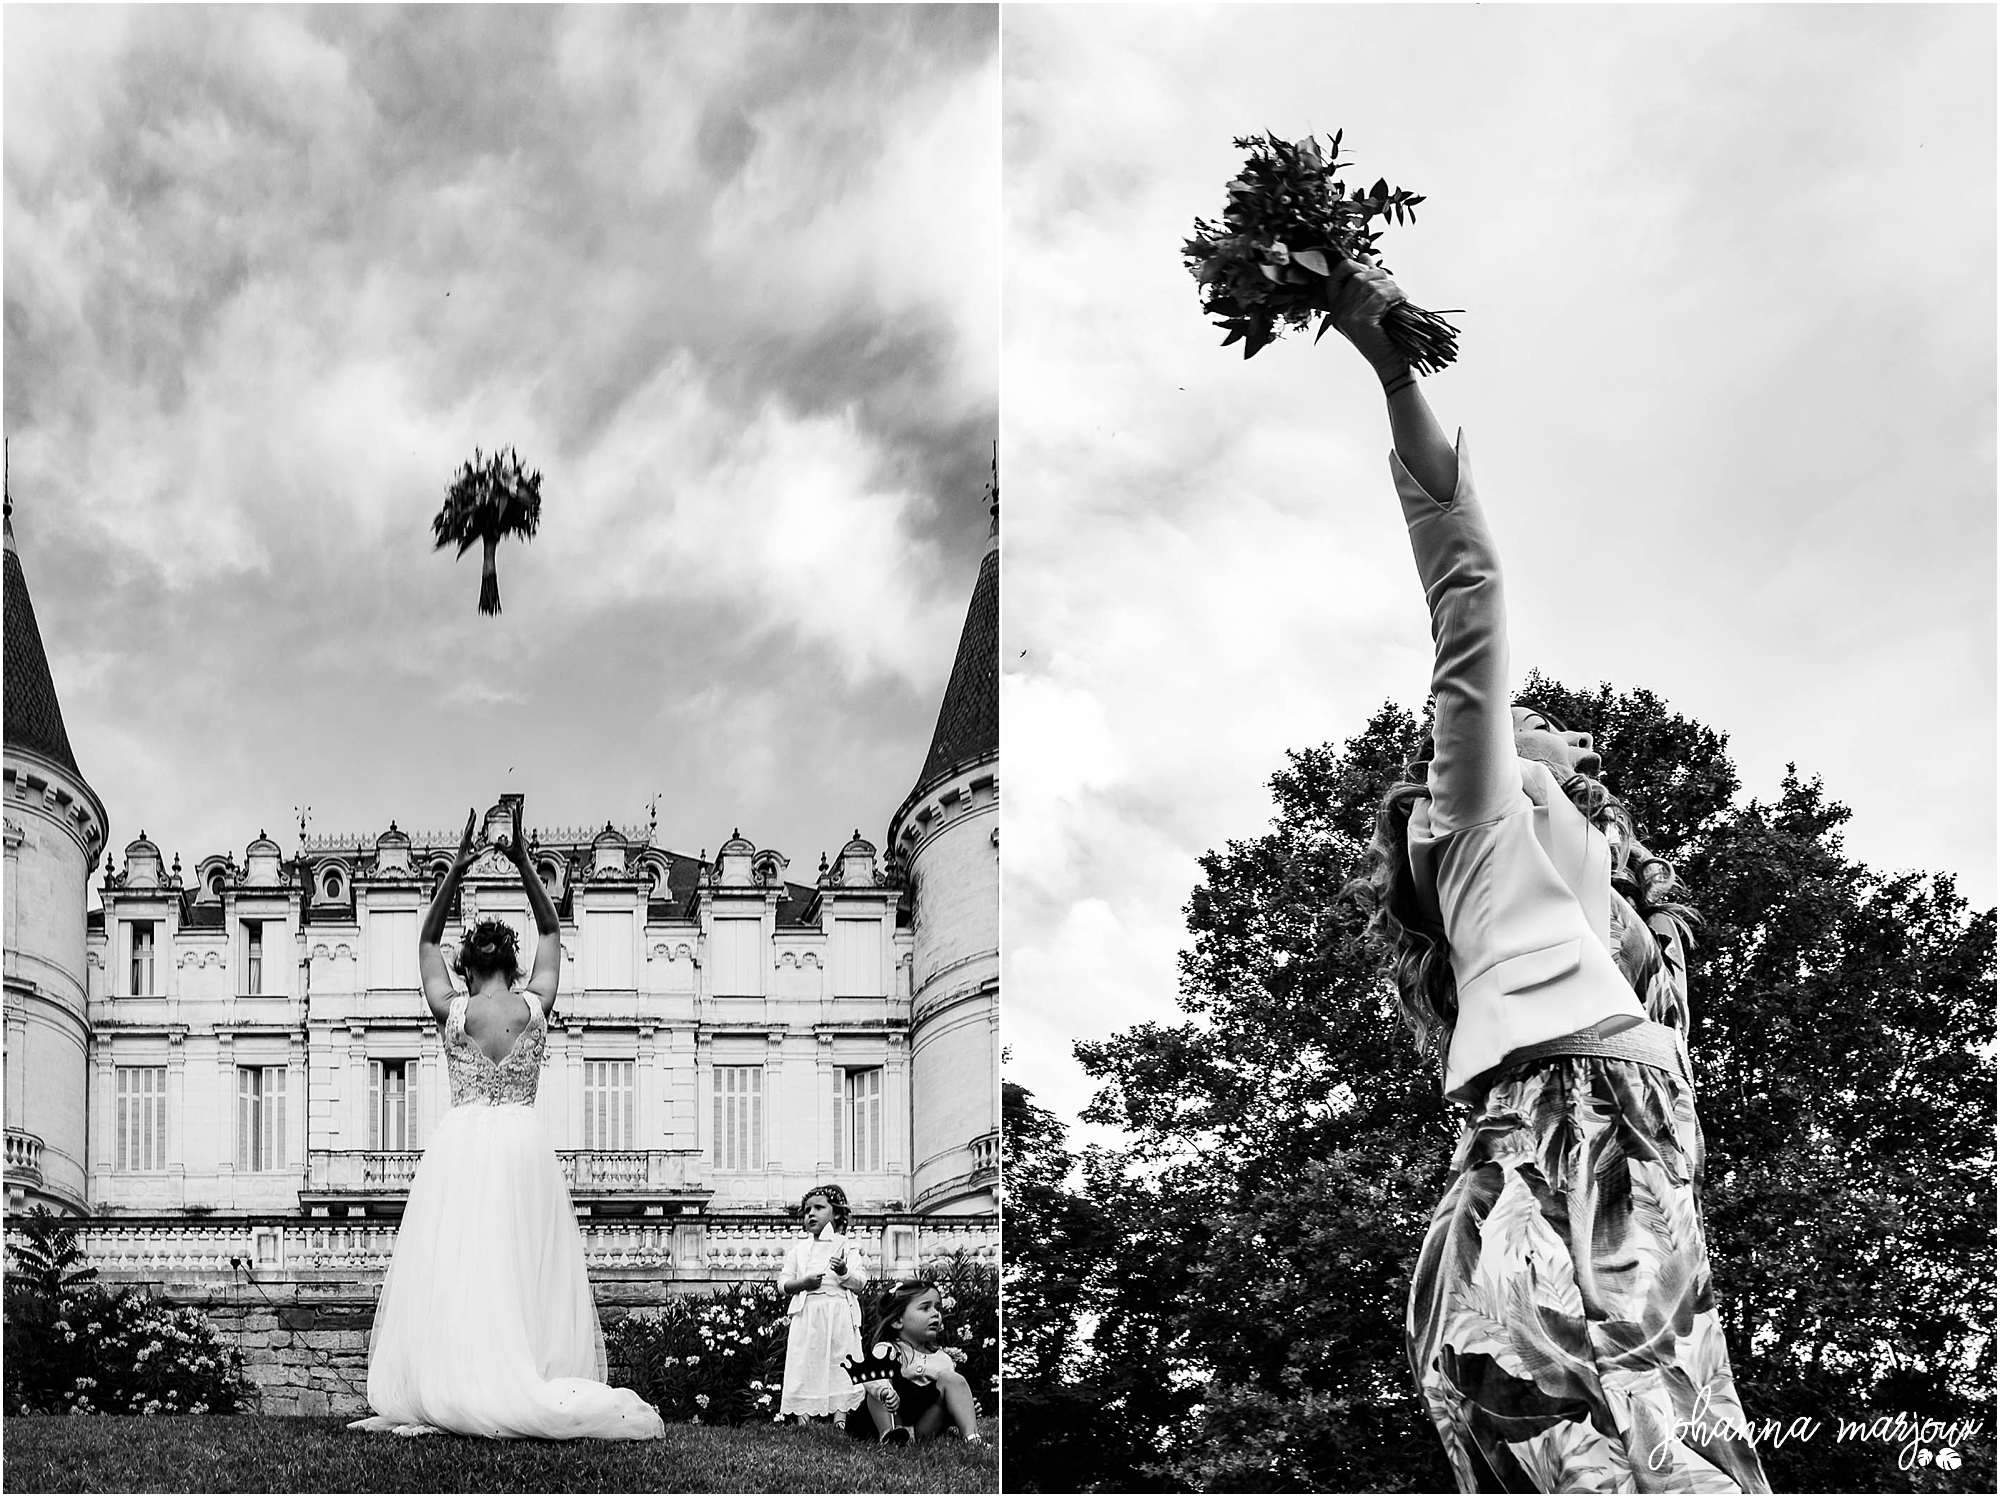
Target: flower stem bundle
(1289, 218)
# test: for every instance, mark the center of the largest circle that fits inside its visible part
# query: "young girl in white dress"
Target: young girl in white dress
(821, 1275)
(486, 1324)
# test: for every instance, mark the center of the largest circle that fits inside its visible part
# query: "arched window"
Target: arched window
(333, 884)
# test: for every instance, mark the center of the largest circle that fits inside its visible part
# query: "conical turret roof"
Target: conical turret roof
(34, 716)
(968, 725)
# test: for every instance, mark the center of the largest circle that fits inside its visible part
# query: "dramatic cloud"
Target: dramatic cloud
(727, 275)
(1727, 384)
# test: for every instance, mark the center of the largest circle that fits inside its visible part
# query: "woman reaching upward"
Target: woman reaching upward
(486, 1324)
(1562, 1323)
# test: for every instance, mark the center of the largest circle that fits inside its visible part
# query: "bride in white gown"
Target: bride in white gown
(486, 1325)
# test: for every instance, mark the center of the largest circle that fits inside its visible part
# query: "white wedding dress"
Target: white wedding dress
(486, 1325)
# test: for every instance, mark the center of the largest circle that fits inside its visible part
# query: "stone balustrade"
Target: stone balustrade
(691, 1251)
(986, 1155)
(590, 1172)
(24, 1157)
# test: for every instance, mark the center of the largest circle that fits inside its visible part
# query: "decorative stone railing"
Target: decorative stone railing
(636, 1170)
(389, 1171)
(560, 836)
(589, 1171)
(349, 1254)
(24, 1156)
(986, 1156)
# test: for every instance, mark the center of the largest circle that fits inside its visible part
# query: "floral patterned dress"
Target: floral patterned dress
(1562, 1325)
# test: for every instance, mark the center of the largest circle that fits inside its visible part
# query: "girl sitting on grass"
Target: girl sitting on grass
(821, 1275)
(929, 1390)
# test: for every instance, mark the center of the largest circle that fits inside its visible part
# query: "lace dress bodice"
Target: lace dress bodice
(478, 1080)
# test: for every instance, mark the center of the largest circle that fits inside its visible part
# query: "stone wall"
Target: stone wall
(300, 1358)
(305, 1352)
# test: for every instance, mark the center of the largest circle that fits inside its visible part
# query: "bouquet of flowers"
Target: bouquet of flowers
(489, 500)
(1264, 267)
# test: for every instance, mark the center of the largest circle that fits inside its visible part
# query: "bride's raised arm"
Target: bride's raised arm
(544, 978)
(436, 972)
(1474, 777)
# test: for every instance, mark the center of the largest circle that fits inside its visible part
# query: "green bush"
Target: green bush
(716, 1358)
(73, 1347)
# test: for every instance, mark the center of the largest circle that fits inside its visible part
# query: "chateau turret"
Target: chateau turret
(946, 838)
(56, 829)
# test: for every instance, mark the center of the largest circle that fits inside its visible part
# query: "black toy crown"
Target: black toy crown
(881, 1364)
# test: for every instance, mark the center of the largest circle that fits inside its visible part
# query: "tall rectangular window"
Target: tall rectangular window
(857, 959)
(392, 949)
(392, 1105)
(739, 1118)
(737, 957)
(608, 1104)
(142, 958)
(607, 949)
(141, 1118)
(260, 1117)
(861, 1120)
(253, 956)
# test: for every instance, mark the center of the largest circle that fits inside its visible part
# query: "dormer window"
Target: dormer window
(215, 884)
(333, 886)
(142, 958)
(547, 871)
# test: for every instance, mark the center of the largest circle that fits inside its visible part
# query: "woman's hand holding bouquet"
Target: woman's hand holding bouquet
(1288, 224)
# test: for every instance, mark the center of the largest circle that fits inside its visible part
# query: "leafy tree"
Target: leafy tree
(45, 1261)
(489, 500)
(1055, 1238)
(1285, 1145)
(1087, 1363)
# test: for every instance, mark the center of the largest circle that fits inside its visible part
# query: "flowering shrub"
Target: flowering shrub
(72, 1347)
(719, 1358)
(99, 1353)
(711, 1359)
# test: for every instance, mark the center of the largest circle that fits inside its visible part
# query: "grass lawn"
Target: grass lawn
(263, 1453)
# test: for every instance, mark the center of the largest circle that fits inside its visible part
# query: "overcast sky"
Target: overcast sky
(1726, 382)
(727, 276)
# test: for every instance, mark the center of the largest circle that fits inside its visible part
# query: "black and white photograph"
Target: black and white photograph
(502, 742)
(1498, 679)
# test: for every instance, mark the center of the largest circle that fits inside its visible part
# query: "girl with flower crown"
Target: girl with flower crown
(821, 1275)
(486, 1324)
(926, 1395)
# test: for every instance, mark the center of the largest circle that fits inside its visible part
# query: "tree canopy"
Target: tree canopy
(1219, 1302)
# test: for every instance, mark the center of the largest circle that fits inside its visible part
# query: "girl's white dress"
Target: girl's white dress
(825, 1327)
(486, 1325)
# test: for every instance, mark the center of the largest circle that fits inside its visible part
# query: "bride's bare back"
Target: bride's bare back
(495, 1015)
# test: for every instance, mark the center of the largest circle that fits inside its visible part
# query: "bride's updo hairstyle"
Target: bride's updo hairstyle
(1407, 926)
(490, 946)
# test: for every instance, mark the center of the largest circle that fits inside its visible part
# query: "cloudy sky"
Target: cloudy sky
(1726, 381)
(727, 276)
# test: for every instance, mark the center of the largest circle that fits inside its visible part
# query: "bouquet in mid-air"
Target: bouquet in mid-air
(489, 500)
(1289, 218)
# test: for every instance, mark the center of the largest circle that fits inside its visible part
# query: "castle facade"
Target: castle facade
(237, 1056)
